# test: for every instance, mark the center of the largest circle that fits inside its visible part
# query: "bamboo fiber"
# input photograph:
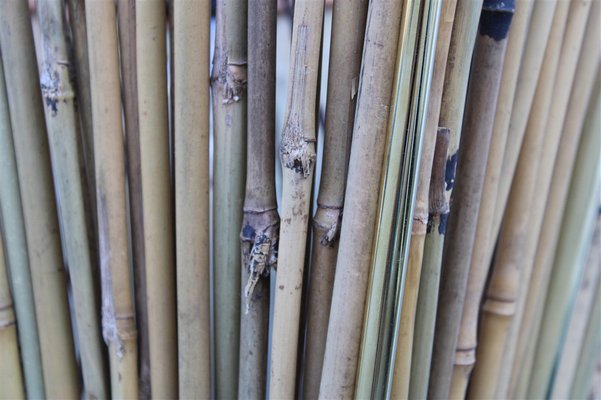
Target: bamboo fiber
(39, 205)
(157, 200)
(357, 233)
(297, 154)
(118, 320)
(229, 117)
(191, 31)
(348, 31)
(11, 215)
(63, 131)
(260, 226)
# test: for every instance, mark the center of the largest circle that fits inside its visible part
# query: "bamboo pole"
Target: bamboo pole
(157, 210)
(297, 153)
(260, 226)
(357, 233)
(39, 204)
(191, 41)
(229, 116)
(13, 225)
(465, 354)
(61, 120)
(118, 320)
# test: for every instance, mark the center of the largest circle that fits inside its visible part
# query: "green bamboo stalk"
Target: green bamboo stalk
(13, 225)
(39, 204)
(191, 41)
(61, 120)
(118, 318)
(229, 117)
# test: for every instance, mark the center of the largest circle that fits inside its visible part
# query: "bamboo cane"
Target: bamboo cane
(229, 116)
(191, 25)
(297, 153)
(118, 322)
(39, 205)
(365, 166)
(157, 210)
(465, 354)
(578, 223)
(13, 225)
(260, 225)
(476, 136)
(61, 120)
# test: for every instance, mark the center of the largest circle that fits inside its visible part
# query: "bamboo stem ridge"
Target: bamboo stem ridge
(228, 84)
(481, 103)
(260, 226)
(63, 132)
(39, 204)
(348, 31)
(297, 153)
(191, 41)
(118, 321)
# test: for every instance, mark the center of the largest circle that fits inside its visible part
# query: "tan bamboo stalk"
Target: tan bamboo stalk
(532, 62)
(126, 13)
(297, 154)
(465, 354)
(191, 41)
(157, 210)
(39, 204)
(260, 226)
(229, 118)
(508, 270)
(11, 379)
(118, 320)
(63, 131)
(481, 104)
(11, 215)
(365, 166)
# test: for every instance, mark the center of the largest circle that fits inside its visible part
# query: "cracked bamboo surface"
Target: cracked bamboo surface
(118, 318)
(39, 204)
(191, 41)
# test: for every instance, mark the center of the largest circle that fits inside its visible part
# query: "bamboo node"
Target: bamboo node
(295, 151)
(7, 316)
(232, 78)
(52, 88)
(261, 257)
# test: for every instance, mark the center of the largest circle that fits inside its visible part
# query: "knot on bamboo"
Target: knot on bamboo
(7, 315)
(297, 151)
(465, 356)
(232, 77)
(52, 88)
(328, 219)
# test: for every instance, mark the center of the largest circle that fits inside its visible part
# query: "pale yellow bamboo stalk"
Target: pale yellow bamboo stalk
(38, 200)
(191, 24)
(118, 319)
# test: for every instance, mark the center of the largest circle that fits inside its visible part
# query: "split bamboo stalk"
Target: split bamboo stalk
(348, 32)
(118, 318)
(260, 226)
(357, 232)
(126, 10)
(297, 154)
(157, 210)
(13, 225)
(191, 41)
(63, 131)
(11, 379)
(578, 223)
(481, 103)
(508, 271)
(39, 204)
(229, 116)
(465, 354)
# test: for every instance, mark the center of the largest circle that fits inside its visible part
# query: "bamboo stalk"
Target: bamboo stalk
(357, 232)
(118, 321)
(260, 225)
(39, 204)
(13, 225)
(61, 120)
(157, 210)
(465, 354)
(191, 29)
(229, 115)
(297, 153)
